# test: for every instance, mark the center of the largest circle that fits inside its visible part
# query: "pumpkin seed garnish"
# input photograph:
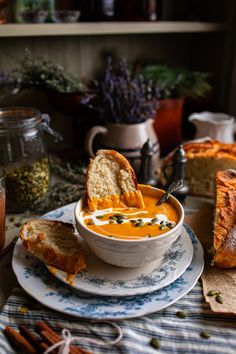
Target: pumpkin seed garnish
(219, 299)
(112, 217)
(111, 221)
(149, 223)
(162, 227)
(180, 314)
(170, 224)
(154, 220)
(119, 221)
(155, 343)
(100, 216)
(139, 224)
(205, 335)
(133, 221)
(90, 222)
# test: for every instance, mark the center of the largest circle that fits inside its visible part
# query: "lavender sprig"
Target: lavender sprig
(122, 98)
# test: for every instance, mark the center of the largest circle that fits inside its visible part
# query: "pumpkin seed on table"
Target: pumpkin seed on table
(213, 293)
(181, 314)
(219, 299)
(205, 335)
(155, 343)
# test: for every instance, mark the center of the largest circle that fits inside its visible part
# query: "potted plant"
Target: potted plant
(64, 89)
(126, 113)
(172, 86)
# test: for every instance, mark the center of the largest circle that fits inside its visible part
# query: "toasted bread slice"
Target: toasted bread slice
(111, 182)
(225, 219)
(55, 243)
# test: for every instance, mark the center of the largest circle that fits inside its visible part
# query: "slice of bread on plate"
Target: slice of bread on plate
(111, 182)
(225, 219)
(55, 243)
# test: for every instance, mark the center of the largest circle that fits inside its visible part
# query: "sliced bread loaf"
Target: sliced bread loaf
(225, 219)
(111, 182)
(55, 243)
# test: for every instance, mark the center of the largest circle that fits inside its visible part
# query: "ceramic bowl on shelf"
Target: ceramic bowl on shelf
(65, 16)
(34, 16)
(129, 253)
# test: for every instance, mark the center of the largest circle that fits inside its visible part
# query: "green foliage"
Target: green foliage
(170, 82)
(45, 73)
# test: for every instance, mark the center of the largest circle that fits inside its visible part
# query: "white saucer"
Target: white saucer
(104, 279)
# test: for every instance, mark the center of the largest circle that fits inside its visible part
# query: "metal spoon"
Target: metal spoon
(174, 186)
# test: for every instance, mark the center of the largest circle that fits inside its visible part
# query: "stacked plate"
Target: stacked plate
(103, 291)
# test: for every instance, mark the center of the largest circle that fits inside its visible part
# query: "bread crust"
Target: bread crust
(35, 238)
(225, 219)
(125, 165)
(210, 148)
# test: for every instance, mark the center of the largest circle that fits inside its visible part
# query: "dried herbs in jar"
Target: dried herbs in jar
(24, 156)
(27, 185)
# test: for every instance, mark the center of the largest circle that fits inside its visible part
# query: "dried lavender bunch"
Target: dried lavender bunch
(122, 98)
(46, 73)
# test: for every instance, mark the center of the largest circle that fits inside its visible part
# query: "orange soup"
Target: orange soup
(134, 223)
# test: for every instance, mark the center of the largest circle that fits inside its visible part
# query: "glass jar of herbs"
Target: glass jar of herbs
(24, 157)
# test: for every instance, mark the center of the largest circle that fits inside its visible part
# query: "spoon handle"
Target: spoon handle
(174, 186)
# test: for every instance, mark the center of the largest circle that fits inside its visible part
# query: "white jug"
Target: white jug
(217, 126)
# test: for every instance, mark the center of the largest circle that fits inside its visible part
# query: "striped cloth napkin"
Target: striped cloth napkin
(176, 335)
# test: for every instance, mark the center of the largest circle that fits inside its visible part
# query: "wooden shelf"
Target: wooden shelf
(105, 28)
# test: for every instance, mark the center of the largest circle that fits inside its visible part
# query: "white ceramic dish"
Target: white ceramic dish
(129, 253)
(104, 279)
(35, 279)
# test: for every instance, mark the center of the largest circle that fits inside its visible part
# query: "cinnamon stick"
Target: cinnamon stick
(52, 337)
(18, 340)
(33, 339)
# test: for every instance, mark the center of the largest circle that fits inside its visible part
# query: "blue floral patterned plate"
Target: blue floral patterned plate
(104, 279)
(34, 277)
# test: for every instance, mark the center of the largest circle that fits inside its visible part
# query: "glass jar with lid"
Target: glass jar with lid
(23, 154)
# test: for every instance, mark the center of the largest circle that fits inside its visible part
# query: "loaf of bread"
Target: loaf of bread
(225, 219)
(203, 161)
(55, 243)
(111, 182)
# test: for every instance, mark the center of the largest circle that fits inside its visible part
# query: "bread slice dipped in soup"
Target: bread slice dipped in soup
(118, 207)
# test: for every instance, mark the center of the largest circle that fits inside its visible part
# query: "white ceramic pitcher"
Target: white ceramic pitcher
(217, 126)
(127, 139)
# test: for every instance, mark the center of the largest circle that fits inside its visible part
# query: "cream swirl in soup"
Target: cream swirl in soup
(133, 223)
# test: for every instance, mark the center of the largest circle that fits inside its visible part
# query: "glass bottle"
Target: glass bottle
(23, 155)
